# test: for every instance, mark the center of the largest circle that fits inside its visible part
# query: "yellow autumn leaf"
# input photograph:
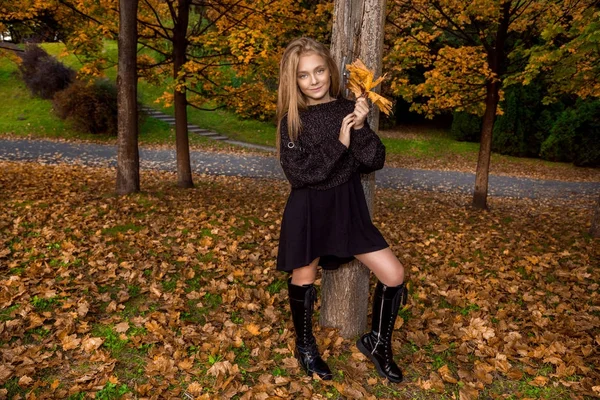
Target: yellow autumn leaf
(361, 83)
(384, 104)
(253, 329)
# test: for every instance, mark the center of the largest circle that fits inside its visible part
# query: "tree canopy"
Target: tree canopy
(444, 52)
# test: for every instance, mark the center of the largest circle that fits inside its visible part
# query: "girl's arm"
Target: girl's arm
(365, 145)
(311, 164)
(368, 149)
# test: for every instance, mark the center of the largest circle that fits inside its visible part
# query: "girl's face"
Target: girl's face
(313, 78)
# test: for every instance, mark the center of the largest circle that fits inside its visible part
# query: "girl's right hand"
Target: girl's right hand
(347, 124)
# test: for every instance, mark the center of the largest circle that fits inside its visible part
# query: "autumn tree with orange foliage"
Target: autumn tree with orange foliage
(470, 51)
(22, 17)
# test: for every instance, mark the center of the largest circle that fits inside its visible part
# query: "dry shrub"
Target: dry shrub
(91, 106)
(43, 74)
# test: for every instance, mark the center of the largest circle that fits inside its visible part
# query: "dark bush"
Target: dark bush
(575, 136)
(43, 74)
(465, 127)
(526, 121)
(92, 107)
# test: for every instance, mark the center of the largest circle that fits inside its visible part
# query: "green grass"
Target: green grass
(434, 145)
(32, 116)
(112, 391)
(29, 115)
(44, 304)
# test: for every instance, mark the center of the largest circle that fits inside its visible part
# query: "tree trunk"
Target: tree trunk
(357, 33)
(497, 63)
(485, 148)
(595, 228)
(128, 159)
(184, 169)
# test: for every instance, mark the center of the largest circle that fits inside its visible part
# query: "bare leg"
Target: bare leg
(305, 275)
(385, 265)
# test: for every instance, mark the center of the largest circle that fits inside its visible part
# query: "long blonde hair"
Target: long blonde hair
(289, 97)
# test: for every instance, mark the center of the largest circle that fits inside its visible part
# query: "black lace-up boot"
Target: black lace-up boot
(377, 344)
(302, 301)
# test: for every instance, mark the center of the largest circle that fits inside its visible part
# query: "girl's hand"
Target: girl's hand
(347, 124)
(361, 110)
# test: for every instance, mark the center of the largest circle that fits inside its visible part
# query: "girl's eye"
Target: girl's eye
(302, 76)
(320, 71)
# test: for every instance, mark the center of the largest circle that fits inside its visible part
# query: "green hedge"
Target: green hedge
(575, 137)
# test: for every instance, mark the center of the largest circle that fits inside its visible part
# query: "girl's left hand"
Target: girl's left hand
(361, 110)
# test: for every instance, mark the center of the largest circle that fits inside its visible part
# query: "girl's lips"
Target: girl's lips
(316, 89)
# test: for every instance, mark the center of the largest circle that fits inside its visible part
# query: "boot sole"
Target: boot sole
(368, 354)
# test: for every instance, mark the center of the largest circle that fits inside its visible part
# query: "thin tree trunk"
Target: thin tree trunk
(184, 169)
(485, 148)
(497, 63)
(595, 228)
(128, 160)
(357, 33)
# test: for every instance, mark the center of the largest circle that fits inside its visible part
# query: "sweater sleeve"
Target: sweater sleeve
(310, 163)
(368, 149)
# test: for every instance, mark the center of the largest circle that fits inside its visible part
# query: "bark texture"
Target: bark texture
(184, 169)
(595, 228)
(128, 160)
(357, 33)
(485, 148)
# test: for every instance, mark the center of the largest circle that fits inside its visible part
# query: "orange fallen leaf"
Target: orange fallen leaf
(253, 329)
(446, 374)
(539, 381)
(122, 327)
(90, 344)
(361, 83)
(25, 381)
(70, 342)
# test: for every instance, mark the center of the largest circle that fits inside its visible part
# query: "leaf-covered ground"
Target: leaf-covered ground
(173, 294)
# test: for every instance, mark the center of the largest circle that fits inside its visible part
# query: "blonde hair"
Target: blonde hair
(290, 100)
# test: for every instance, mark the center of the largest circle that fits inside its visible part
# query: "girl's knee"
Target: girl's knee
(305, 275)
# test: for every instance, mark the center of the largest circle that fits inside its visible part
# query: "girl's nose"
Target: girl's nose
(313, 79)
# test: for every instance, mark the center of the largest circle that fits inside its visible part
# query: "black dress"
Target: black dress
(326, 214)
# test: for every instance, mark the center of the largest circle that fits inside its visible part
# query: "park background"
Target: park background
(158, 293)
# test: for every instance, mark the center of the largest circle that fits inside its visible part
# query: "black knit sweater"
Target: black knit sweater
(318, 159)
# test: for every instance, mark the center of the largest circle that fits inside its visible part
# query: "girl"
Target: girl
(324, 144)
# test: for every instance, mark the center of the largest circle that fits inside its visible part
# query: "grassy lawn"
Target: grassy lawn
(173, 293)
(26, 115)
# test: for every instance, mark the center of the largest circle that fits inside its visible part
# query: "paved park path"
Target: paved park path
(54, 152)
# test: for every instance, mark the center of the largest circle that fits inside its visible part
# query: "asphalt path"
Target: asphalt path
(204, 162)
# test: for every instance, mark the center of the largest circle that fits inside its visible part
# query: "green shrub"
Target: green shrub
(92, 107)
(526, 121)
(43, 74)
(466, 127)
(575, 136)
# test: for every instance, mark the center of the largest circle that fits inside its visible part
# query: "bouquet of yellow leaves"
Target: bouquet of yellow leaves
(360, 82)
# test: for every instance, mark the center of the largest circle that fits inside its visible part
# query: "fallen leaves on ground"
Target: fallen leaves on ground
(173, 293)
